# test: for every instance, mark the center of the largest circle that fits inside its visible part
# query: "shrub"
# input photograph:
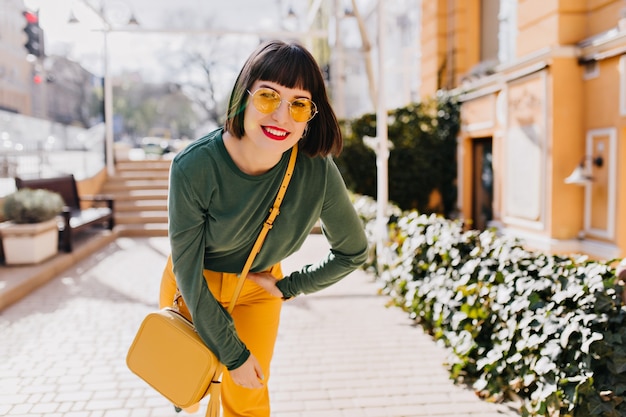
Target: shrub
(32, 206)
(422, 161)
(546, 329)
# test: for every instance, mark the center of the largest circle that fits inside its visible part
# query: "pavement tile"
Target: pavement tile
(339, 353)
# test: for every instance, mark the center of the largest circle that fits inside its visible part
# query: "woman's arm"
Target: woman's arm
(187, 238)
(346, 236)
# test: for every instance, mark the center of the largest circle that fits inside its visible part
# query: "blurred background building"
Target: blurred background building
(15, 70)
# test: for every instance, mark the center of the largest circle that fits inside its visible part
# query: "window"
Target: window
(498, 30)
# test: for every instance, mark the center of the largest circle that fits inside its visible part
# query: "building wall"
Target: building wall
(543, 23)
(465, 17)
(433, 45)
(567, 137)
(601, 15)
(560, 101)
(15, 70)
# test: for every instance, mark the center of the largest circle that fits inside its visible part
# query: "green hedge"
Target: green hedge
(422, 160)
(546, 330)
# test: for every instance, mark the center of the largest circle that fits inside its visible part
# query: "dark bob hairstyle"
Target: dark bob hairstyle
(292, 66)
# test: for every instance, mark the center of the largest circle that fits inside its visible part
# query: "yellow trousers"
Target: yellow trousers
(256, 316)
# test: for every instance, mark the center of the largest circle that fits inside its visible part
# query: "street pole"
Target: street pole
(108, 89)
(382, 154)
(108, 110)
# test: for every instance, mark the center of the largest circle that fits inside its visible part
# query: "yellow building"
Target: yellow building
(542, 148)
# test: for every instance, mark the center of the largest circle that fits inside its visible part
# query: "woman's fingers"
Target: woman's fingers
(249, 375)
(266, 281)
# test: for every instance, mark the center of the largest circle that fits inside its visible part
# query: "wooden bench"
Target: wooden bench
(95, 210)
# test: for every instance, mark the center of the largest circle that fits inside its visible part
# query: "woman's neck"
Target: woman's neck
(249, 159)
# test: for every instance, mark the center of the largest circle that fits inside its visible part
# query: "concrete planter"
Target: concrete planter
(29, 243)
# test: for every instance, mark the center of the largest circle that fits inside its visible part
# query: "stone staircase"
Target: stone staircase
(140, 192)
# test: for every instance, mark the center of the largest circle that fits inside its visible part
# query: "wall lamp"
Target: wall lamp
(581, 175)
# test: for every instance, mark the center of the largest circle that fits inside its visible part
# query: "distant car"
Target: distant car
(152, 145)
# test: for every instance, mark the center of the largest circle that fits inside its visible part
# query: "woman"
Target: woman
(221, 188)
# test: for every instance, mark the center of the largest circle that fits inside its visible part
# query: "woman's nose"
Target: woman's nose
(282, 112)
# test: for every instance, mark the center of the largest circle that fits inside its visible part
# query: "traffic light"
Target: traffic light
(34, 38)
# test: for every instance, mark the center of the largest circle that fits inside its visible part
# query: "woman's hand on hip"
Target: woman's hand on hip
(249, 375)
(266, 281)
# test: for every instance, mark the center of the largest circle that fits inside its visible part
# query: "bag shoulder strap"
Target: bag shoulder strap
(214, 388)
(213, 407)
(267, 225)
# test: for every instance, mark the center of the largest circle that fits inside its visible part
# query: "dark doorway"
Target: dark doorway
(482, 183)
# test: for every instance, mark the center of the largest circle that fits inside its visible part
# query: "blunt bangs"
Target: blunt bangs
(289, 66)
(292, 66)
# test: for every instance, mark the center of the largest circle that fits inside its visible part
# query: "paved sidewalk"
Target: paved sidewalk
(340, 352)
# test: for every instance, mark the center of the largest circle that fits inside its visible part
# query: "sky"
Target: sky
(165, 28)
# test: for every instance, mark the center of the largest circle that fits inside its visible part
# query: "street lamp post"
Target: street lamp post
(109, 140)
(382, 154)
(108, 111)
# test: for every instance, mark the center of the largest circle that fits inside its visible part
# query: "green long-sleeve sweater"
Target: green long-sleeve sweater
(216, 213)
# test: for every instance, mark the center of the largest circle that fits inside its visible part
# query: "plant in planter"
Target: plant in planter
(30, 234)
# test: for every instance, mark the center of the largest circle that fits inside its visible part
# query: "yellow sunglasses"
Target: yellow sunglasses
(268, 101)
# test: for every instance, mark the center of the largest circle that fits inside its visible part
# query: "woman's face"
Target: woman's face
(275, 131)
